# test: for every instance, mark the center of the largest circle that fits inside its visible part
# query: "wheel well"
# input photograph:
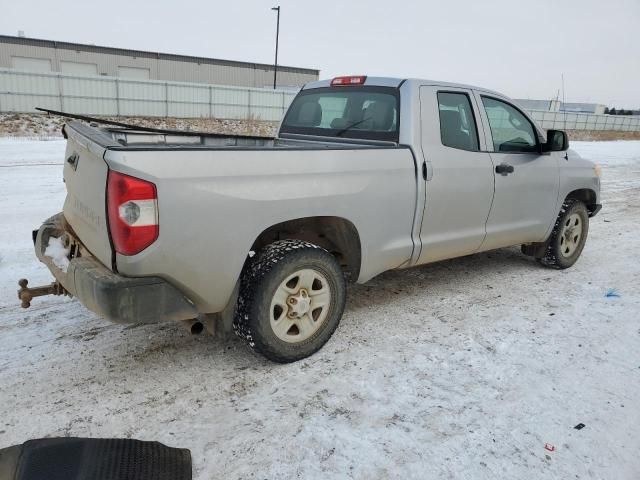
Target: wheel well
(586, 196)
(338, 235)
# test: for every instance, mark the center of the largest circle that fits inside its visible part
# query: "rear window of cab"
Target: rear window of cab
(362, 112)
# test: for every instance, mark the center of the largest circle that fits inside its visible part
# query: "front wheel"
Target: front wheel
(292, 295)
(569, 235)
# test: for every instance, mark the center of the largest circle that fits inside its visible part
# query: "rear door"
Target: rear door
(526, 181)
(459, 174)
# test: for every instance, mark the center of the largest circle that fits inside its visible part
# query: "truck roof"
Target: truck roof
(396, 82)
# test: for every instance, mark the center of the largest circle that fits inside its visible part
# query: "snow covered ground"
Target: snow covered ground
(462, 369)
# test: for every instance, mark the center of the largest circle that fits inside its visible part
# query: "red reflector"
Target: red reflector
(132, 208)
(346, 81)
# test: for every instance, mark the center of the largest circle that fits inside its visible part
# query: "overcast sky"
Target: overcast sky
(518, 47)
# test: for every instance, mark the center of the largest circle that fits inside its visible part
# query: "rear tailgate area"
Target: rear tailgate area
(85, 177)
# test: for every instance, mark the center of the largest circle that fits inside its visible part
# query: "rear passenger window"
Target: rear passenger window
(457, 123)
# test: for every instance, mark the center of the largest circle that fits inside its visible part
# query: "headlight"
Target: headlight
(597, 171)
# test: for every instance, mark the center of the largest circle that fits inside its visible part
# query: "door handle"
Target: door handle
(73, 160)
(504, 169)
(424, 170)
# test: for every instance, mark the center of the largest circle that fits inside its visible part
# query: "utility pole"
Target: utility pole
(275, 65)
(563, 103)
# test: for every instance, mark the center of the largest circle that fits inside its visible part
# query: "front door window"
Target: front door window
(511, 131)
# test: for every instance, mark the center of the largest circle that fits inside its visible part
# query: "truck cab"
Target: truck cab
(489, 177)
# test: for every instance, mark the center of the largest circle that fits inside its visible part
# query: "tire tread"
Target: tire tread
(253, 275)
(551, 257)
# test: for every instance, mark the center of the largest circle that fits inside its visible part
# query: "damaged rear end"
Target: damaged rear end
(104, 212)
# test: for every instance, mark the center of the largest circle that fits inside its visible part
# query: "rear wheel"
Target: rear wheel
(292, 296)
(569, 235)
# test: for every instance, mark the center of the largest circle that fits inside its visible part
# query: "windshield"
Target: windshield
(369, 113)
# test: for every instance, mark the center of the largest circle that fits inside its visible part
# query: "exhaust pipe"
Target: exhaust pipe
(194, 326)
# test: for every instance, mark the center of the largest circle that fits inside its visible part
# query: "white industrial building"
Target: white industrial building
(595, 108)
(558, 106)
(35, 55)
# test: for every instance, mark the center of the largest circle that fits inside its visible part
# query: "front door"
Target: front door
(526, 181)
(459, 175)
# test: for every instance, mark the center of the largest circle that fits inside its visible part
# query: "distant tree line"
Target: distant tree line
(621, 111)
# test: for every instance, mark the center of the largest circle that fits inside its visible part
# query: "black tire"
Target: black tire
(263, 275)
(556, 252)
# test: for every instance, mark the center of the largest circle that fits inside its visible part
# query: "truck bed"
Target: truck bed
(131, 139)
(216, 195)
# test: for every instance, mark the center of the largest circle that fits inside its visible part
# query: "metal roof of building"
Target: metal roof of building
(36, 42)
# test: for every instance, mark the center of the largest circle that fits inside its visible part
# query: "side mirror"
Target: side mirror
(557, 141)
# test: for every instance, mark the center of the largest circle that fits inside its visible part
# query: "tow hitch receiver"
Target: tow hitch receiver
(26, 294)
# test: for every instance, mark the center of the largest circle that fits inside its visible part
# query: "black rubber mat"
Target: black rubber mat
(94, 459)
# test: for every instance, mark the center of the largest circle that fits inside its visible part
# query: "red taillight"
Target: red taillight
(346, 81)
(132, 206)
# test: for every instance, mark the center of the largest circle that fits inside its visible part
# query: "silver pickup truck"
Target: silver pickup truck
(260, 236)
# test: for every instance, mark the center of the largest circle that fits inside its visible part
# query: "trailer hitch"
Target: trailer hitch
(25, 294)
